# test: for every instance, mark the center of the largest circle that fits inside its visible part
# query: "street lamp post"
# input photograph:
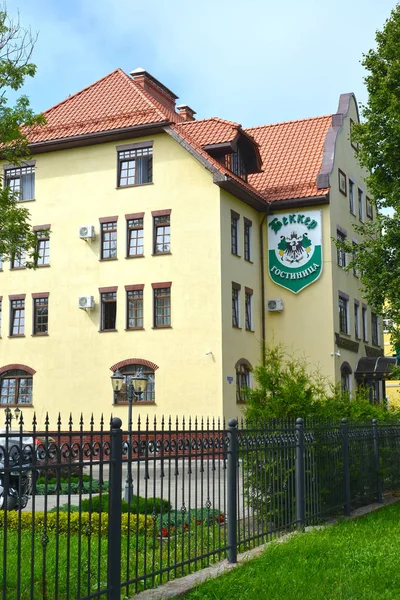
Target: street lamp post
(135, 387)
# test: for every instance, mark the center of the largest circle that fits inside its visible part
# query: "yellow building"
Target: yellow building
(176, 246)
(392, 385)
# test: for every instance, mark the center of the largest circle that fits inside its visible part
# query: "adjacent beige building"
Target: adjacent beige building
(159, 257)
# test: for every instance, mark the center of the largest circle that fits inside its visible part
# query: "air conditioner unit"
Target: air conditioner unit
(275, 305)
(86, 232)
(85, 302)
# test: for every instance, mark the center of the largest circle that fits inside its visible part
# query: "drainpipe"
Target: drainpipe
(262, 288)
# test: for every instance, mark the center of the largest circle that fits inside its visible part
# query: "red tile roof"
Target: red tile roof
(211, 131)
(114, 102)
(291, 154)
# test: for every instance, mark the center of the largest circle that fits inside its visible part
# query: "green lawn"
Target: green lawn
(352, 560)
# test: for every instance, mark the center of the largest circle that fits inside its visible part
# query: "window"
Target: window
(370, 213)
(356, 320)
(354, 257)
(343, 314)
(1, 263)
(16, 387)
(364, 323)
(235, 233)
(351, 197)
(135, 236)
(345, 372)
(235, 305)
(360, 205)
(374, 329)
(18, 260)
(108, 240)
(135, 166)
(162, 234)
(243, 369)
(247, 239)
(248, 306)
(40, 315)
(17, 316)
(21, 180)
(43, 249)
(108, 302)
(341, 254)
(234, 162)
(162, 305)
(129, 371)
(134, 303)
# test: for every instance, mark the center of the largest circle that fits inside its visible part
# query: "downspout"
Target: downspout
(262, 289)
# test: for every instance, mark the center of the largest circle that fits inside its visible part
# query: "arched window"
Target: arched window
(345, 372)
(243, 370)
(16, 384)
(130, 367)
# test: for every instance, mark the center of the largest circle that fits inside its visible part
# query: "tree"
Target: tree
(378, 137)
(16, 47)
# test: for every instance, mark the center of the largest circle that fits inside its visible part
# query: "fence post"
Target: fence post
(377, 461)
(114, 512)
(232, 490)
(300, 475)
(346, 468)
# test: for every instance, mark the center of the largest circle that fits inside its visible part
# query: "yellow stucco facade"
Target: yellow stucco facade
(195, 359)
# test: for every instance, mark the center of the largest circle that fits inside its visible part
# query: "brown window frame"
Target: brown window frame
(351, 197)
(247, 234)
(235, 217)
(243, 370)
(236, 287)
(248, 309)
(341, 254)
(107, 299)
(14, 174)
(130, 370)
(128, 159)
(134, 224)
(16, 375)
(162, 301)
(161, 222)
(134, 294)
(107, 229)
(40, 303)
(343, 304)
(17, 305)
(43, 260)
(18, 260)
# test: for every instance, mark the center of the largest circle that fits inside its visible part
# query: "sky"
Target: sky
(249, 61)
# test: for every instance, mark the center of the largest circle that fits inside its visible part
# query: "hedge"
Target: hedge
(73, 523)
(138, 505)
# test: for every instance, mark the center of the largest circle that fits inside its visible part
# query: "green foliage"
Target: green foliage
(72, 524)
(378, 138)
(139, 505)
(73, 487)
(16, 46)
(288, 388)
(196, 516)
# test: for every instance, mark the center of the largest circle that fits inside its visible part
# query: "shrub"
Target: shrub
(75, 523)
(199, 516)
(139, 505)
(73, 487)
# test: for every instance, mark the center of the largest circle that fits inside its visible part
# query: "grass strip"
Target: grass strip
(351, 560)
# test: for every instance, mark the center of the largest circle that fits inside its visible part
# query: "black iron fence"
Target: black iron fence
(197, 492)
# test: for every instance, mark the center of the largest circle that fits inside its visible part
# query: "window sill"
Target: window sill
(107, 330)
(17, 268)
(42, 266)
(248, 260)
(107, 259)
(26, 200)
(40, 335)
(365, 341)
(250, 330)
(161, 253)
(17, 335)
(236, 327)
(353, 213)
(345, 333)
(237, 255)
(133, 185)
(162, 327)
(135, 256)
(135, 403)
(134, 329)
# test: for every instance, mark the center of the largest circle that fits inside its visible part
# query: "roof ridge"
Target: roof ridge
(233, 123)
(83, 90)
(287, 122)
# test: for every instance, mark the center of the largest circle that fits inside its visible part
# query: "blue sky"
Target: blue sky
(253, 62)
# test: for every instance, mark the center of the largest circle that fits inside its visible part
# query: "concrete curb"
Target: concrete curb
(179, 587)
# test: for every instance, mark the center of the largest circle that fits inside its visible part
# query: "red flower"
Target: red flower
(221, 518)
(164, 532)
(186, 526)
(198, 522)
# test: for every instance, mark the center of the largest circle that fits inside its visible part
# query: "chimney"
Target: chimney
(186, 112)
(155, 88)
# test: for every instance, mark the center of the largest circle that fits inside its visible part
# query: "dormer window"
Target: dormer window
(235, 163)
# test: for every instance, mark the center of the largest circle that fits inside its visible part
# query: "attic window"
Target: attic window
(235, 163)
(135, 164)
